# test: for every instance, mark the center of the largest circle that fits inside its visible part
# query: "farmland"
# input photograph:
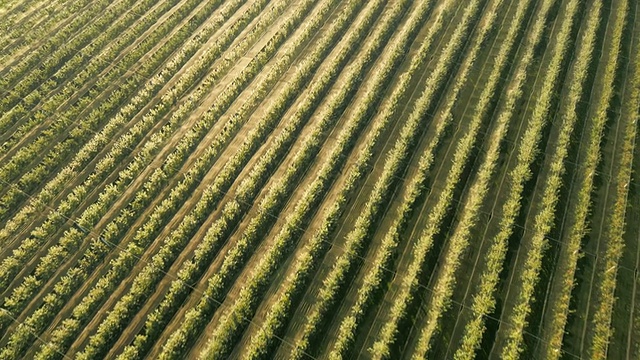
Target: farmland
(319, 179)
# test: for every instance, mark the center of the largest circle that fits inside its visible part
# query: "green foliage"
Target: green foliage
(544, 219)
(483, 301)
(178, 238)
(388, 334)
(616, 224)
(269, 263)
(579, 228)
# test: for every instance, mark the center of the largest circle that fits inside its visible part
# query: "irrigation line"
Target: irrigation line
(73, 54)
(303, 231)
(139, 258)
(116, 64)
(524, 228)
(491, 215)
(132, 149)
(228, 194)
(608, 179)
(8, 314)
(137, 72)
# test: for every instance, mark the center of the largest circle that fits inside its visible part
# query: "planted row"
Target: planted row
(192, 221)
(80, 131)
(123, 145)
(616, 225)
(141, 196)
(445, 281)
(29, 73)
(74, 88)
(381, 348)
(266, 337)
(27, 34)
(273, 202)
(14, 14)
(48, 47)
(350, 325)
(95, 119)
(373, 279)
(27, 249)
(484, 302)
(237, 317)
(194, 268)
(544, 219)
(68, 78)
(567, 268)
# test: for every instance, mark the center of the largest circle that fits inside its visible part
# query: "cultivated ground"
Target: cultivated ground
(319, 179)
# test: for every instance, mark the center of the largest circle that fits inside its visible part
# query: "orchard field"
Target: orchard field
(319, 179)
